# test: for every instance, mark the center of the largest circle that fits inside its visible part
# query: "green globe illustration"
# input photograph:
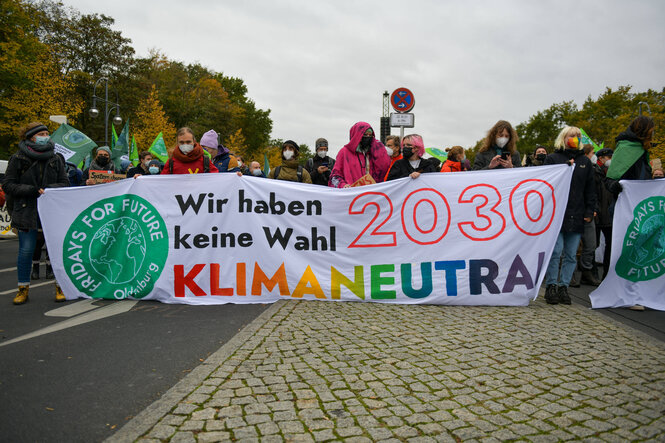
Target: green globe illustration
(118, 250)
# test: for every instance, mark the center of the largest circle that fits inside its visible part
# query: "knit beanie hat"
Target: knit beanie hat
(104, 148)
(320, 142)
(209, 139)
(292, 143)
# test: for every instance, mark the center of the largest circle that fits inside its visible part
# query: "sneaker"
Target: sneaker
(551, 295)
(564, 298)
(59, 295)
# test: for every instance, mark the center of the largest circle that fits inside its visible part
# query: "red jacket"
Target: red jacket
(180, 167)
(451, 166)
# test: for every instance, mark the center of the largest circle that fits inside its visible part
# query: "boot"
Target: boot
(59, 295)
(49, 272)
(22, 295)
(588, 278)
(564, 298)
(575, 279)
(551, 295)
(35, 271)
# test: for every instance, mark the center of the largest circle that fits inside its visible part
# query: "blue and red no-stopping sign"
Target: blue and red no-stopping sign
(402, 100)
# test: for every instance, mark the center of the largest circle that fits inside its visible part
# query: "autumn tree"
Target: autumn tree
(149, 120)
(236, 144)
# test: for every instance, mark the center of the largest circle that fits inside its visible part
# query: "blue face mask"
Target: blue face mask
(153, 170)
(41, 139)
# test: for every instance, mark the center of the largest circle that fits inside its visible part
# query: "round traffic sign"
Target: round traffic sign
(402, 100)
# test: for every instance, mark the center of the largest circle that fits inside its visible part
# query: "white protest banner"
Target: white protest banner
(5, 223)
(472, 238)
(637, 264)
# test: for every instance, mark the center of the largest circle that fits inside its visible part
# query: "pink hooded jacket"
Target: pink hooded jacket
(350, 165)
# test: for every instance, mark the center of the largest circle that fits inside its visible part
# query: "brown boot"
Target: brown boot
(22, 296)
(59, 295)
(588, 278)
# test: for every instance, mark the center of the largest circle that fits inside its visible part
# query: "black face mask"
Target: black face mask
(407, 153)
(366, 143)
(541, 157)
(103, 160)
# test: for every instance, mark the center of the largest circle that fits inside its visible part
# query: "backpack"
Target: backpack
(298, 173)
(206, 165)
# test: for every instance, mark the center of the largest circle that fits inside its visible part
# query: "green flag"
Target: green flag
(437, 153)
(114, 137)
(586, 140)
(134, 153)
(72, 143)
(158, 149)
(120, 150)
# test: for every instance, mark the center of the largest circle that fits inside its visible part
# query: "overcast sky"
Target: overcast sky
(321, 66)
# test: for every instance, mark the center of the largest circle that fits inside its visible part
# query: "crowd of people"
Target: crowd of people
(363, 160)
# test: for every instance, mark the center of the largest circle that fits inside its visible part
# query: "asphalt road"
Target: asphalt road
(83, 382)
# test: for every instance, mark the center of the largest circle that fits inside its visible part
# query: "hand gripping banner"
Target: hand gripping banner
(472, 238)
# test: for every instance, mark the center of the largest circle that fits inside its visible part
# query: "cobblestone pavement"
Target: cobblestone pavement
(319, 371)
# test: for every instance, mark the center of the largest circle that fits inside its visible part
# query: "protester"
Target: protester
(33, 168)
(579, 211)
(155, 167)
(588, 241)
(631, 156)
(604, 198)
(363, 156)
(101, 162)
(320, 166)
(412, 164)
(290, 170)
(222, 158)
(631, 159)
(187, 156)
(658, 173)
(499, 149)
(255, 170)
(394, 151)
(454, 161)
(538, 157)
(241, 165)
(142, 168)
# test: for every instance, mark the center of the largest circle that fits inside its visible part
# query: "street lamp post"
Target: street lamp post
(109, 106)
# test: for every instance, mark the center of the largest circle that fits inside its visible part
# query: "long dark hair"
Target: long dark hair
(642, 127)
(499, 126)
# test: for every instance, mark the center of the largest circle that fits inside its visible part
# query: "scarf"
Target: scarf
(196, 154)
(94, 166)
(37, 152)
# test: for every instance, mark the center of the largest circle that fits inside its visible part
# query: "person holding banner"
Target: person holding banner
(222, 158)
(290, 170)
(499, 148)
(579, 212)
(32, 169)
(364, 157)
(187, 156)
(412, 164)
(102, 162)
(142, 168)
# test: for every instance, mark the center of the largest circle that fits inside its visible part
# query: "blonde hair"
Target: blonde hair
(560, 142)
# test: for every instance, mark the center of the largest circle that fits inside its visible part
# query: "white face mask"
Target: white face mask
(240, 163)
(288, 155)
(390, 151)
(186, 149)
(147, 163)
(594, 159)
(322, 153)
(256, 172)
(502, 141)
(607, 163)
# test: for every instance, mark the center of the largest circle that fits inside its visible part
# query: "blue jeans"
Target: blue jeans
(26, 247)
(566, 243)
